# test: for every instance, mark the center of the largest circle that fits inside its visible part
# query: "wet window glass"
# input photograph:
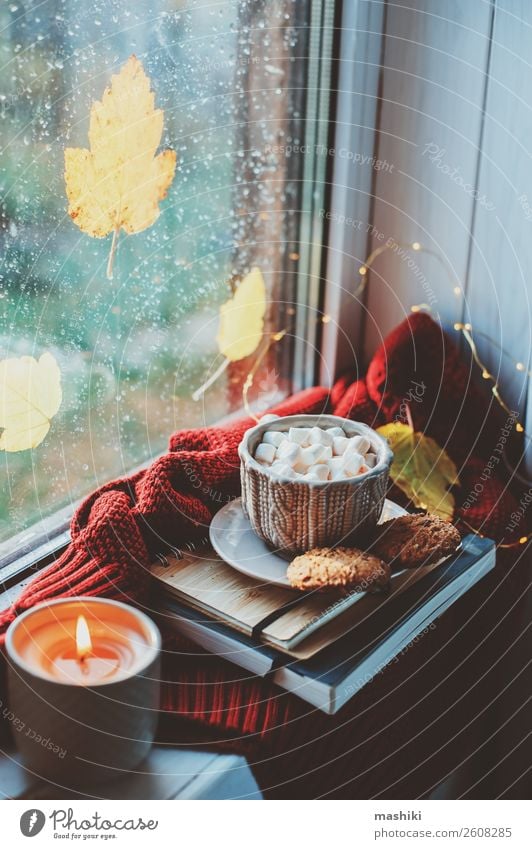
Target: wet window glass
(134, 348)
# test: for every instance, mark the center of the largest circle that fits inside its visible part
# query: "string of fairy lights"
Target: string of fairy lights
(466, 330)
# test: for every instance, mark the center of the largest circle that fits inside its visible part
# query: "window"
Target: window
(231, 77)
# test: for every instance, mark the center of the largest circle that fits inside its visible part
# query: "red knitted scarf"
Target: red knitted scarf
(117, 530)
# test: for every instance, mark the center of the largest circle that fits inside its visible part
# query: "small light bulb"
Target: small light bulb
(523, 540)
(362, 270)
(416, 246)
(520, 366)
(457, 290)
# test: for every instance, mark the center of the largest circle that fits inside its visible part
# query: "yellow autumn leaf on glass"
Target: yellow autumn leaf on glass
(242, 318)
(421, 469)
(118, 183)
(30, 396)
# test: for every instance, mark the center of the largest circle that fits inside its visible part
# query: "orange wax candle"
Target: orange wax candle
(87, 659)
(83, 679)
(82, 643)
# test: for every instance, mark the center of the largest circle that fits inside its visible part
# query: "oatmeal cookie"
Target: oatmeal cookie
(338, 567)
(415, 540)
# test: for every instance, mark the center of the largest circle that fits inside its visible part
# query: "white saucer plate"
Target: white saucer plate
(235, 541)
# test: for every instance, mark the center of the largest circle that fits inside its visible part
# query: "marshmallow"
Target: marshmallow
(340, 444)
(273, 437)
(319, 472)
(265, 453)
(335, 431)
(318, 436)
(371, 460)
(282, 469)
(360, 444)
(289, 452)
(336, 466)
(313, 454)
(316, 454)
(352, 463)
(299, 435)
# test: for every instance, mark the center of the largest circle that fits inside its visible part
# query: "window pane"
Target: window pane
(230, 77)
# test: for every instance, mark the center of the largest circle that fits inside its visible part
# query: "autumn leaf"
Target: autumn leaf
(30, 396)
(421, 469)
(241, 325)
(242, 318)
(118, 183)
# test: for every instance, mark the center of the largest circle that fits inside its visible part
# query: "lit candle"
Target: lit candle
(105, 642)
(80, 660)
(84, 678)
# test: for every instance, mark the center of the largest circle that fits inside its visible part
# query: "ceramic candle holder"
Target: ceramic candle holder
(84, 688)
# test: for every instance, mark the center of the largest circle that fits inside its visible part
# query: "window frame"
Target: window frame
(352, 188)
(325, 15)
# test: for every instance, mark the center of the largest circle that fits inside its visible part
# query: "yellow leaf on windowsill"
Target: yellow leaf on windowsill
(118, 183)
(30, 396)
(421, 469)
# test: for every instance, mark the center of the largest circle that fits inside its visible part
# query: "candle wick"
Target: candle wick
(83, 664)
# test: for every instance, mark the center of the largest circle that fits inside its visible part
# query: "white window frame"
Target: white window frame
(351, 198)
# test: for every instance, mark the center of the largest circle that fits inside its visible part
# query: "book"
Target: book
(330, 664)
(282, 617)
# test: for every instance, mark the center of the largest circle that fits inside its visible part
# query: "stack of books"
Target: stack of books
(322, 646)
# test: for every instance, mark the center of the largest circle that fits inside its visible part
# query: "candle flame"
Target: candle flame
(83, 638)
